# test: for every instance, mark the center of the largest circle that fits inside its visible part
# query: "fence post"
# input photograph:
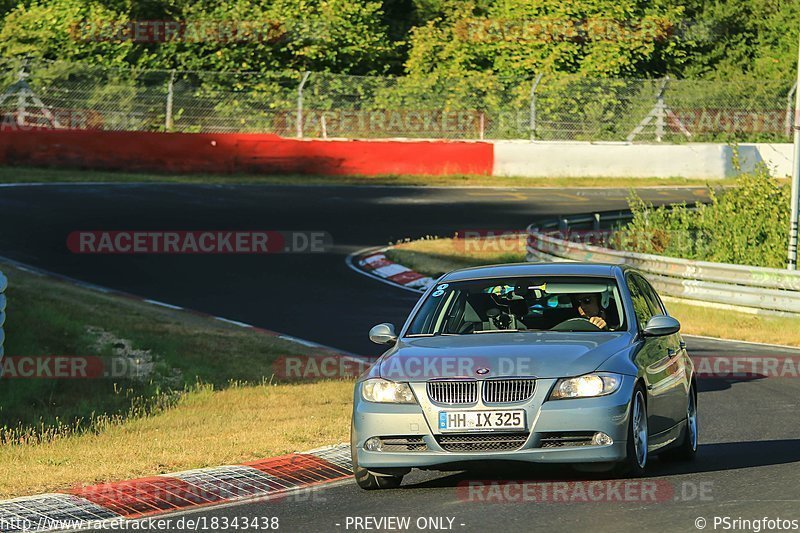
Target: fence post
(300, 105)
(533, 105)
(170, 95)
(789, 108)
(22, 109)
(661, 112)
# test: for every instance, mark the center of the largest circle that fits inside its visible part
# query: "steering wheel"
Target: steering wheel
(576, 324)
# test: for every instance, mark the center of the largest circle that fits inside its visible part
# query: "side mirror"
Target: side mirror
(661, 325)
(383, 334)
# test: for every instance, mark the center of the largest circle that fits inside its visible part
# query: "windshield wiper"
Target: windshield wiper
(499, 331)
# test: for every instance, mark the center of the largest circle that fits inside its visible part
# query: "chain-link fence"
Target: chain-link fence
(325, 105)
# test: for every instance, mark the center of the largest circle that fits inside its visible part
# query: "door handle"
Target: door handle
(671, 353)
(682, 344)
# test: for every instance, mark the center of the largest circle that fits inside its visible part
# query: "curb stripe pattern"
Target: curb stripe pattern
(377, 264)
(47, 511)
(148, 496)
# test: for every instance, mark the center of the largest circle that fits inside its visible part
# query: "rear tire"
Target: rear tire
(635, 462)
(687, 450)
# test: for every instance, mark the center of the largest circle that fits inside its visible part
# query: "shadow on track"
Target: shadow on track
(710, 458)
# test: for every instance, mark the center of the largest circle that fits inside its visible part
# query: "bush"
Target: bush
(747, 225)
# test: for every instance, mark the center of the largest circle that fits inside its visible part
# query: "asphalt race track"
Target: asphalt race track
(312, 296)
(749, 463)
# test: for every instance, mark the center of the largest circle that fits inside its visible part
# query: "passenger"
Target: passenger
(588, 307)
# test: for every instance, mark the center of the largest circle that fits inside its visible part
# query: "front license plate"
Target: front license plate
(481, 420)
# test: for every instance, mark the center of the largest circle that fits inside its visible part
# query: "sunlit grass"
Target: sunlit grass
(205, 427)
(47, 175)
(212, 398)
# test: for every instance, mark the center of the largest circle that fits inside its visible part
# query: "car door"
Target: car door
(651, 358)
(677, 381)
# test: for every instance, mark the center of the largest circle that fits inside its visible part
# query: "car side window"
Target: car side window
(656, 307)
(641, 307)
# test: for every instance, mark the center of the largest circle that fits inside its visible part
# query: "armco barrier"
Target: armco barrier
(769, 290)
(240, 153)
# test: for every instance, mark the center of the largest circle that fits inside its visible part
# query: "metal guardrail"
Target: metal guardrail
(758, 289)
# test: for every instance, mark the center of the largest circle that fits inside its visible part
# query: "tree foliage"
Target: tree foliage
(745, 225)
(721, 39)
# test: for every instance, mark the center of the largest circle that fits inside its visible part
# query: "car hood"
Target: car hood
(492, 355)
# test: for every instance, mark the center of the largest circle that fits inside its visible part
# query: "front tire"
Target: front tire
(368, 480)
(687, 450)
(635, 462)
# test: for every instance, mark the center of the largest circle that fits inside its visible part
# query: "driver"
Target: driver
(588, 307)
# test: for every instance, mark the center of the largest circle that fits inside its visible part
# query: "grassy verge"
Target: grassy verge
(436, 256)
(208, 398)
(46, 175)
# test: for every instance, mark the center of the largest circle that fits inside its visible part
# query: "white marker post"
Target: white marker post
(793, 221)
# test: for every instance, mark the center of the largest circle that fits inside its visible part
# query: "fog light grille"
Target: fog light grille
(404, 444)
(566, 440)
(470, 442)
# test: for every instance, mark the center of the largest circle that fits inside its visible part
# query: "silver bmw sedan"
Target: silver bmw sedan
(546, 363)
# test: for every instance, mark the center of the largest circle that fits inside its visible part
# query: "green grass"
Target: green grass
(211, 398)
(47, 175)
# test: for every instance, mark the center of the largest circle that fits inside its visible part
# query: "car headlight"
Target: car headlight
(588, 386)
(383, 391)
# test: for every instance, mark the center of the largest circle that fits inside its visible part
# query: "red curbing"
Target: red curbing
(148, 496)
(226, 153)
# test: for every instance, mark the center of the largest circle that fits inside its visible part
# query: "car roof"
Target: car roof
(535, 269)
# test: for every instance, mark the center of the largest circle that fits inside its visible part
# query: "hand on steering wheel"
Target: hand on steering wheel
(589, 320)
(596, 321)
(566, 325)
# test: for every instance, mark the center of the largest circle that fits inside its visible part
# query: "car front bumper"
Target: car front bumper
(606, 414)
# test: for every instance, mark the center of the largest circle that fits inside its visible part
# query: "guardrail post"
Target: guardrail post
(596, 224)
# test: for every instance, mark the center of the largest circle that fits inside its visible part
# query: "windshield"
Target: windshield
(549, 303)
